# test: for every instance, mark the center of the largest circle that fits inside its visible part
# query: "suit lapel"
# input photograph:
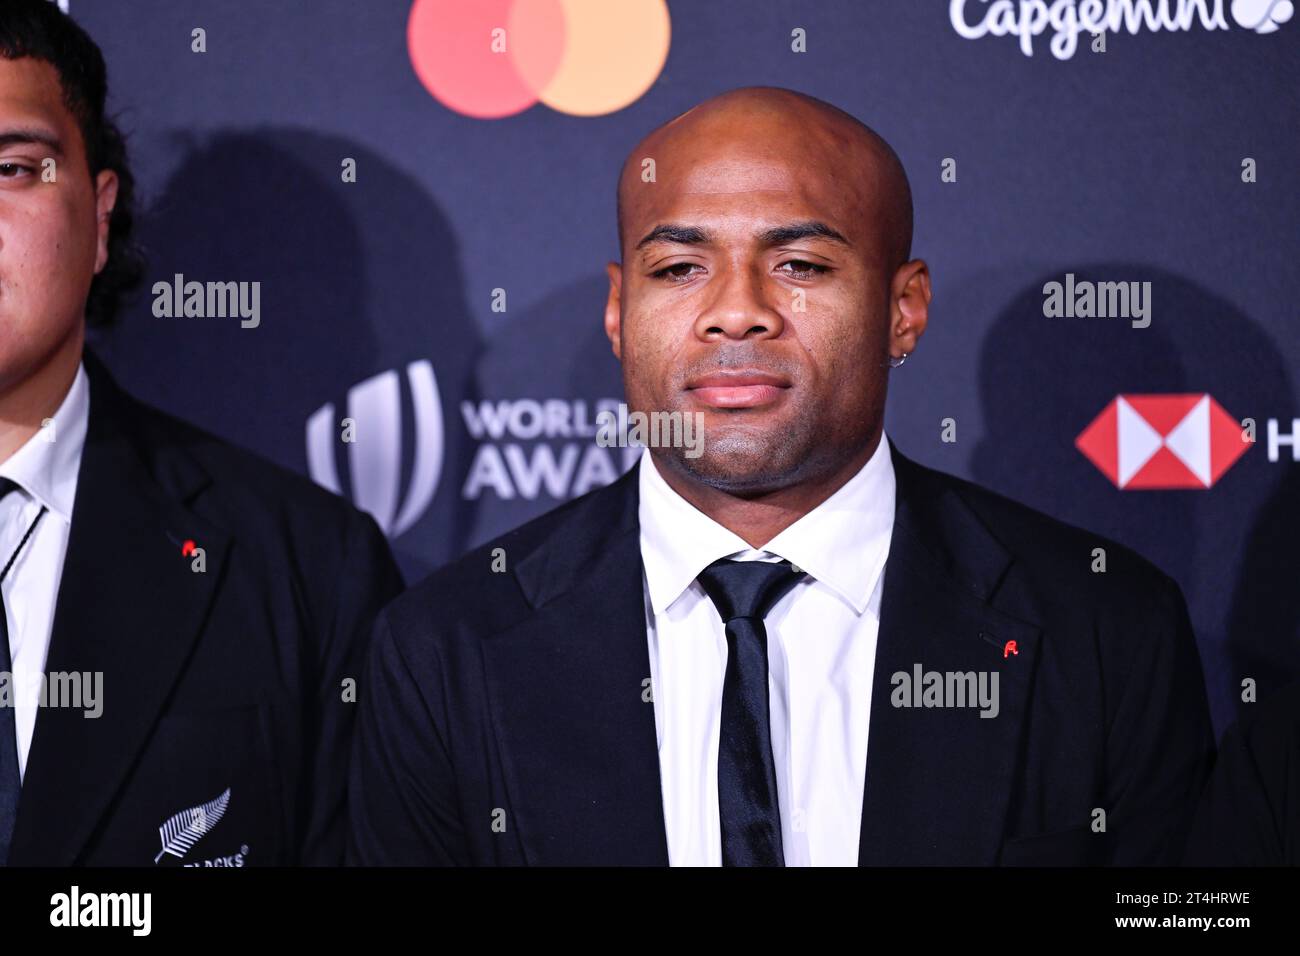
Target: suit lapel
(577, 735)
(938, 780)
(578, 742)
(129, 607)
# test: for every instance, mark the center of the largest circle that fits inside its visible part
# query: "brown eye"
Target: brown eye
(803, 269)
(676, 272)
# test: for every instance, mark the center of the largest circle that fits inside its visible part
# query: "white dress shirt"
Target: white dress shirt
(821, 655)
(46, 474)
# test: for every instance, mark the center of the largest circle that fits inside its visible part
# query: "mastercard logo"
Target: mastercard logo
(494, 58)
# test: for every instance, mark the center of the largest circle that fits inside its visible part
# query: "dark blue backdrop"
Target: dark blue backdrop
(1122, 165)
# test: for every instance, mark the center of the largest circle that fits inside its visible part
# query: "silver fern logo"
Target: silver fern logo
(372, 433)
(182, 831)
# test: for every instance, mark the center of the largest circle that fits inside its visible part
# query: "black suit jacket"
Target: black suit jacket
(504, 720)
(1249, 814)
(225, 680)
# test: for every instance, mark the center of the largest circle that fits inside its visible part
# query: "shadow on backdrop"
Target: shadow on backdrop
(1043, 381)
(554, 349)
(357, 278)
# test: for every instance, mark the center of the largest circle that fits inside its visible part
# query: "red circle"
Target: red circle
(458, 57)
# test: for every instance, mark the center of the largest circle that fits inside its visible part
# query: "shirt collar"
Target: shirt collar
(47, 470)
(843, 542)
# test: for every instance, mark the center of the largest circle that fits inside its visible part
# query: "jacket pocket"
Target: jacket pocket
(203, 792)
(1077, 846)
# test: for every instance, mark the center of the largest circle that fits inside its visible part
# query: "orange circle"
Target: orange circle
(613, 53)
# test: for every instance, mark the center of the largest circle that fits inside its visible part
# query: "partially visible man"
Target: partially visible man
(1249, 814)
(800, 646)
(179, 615)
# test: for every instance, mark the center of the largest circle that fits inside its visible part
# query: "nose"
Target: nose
(739, 308)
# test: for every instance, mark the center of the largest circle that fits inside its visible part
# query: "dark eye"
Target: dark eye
(11, 170)
(802, 269)
(676, 272)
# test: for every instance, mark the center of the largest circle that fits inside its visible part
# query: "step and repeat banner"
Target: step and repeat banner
(416, 202)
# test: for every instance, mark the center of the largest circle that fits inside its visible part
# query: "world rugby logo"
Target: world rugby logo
(1067, 19)
(372, 434)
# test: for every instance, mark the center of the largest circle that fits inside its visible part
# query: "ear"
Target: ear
(909, 307)
(614, 308)
(105, 200)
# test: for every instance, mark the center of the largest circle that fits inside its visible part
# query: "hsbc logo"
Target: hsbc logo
(1067, 19)
(372, 434)
(1150, 442)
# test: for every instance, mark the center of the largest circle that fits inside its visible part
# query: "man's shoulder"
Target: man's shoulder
(482, 586)
(260, 502)
(1052, 553)
(254, 482)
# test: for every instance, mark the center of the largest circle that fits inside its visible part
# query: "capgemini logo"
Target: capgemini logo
(1069, 21)
(1262, 16)
(372, 434)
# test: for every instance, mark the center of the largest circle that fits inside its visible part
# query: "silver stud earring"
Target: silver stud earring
(896, 362)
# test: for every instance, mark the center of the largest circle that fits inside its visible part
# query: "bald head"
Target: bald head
(728, 137)
(765, 284)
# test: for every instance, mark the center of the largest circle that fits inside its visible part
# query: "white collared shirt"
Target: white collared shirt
(45, 471)
(821, 656)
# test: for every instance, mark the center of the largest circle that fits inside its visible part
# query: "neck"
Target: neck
(761, 518)
(24, 405)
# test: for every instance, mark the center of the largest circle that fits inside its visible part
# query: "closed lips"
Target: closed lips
(738, 389)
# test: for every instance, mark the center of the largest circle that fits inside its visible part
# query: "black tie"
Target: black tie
(10, 782)
(743, 592)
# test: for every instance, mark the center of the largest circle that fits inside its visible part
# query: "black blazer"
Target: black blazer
(1249, 814)
(221, 689)
(504, 722)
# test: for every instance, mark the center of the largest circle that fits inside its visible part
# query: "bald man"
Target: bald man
(787, 644)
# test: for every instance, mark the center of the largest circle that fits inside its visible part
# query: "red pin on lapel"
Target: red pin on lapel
(1009, 648)
(188, 547)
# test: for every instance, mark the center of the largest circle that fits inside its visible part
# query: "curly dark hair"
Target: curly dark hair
(38, 29)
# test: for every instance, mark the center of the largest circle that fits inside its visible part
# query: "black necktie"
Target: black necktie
(743, 592)
(10, 782)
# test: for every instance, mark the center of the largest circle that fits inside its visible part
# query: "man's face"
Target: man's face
(760, 298)
(53, 234)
